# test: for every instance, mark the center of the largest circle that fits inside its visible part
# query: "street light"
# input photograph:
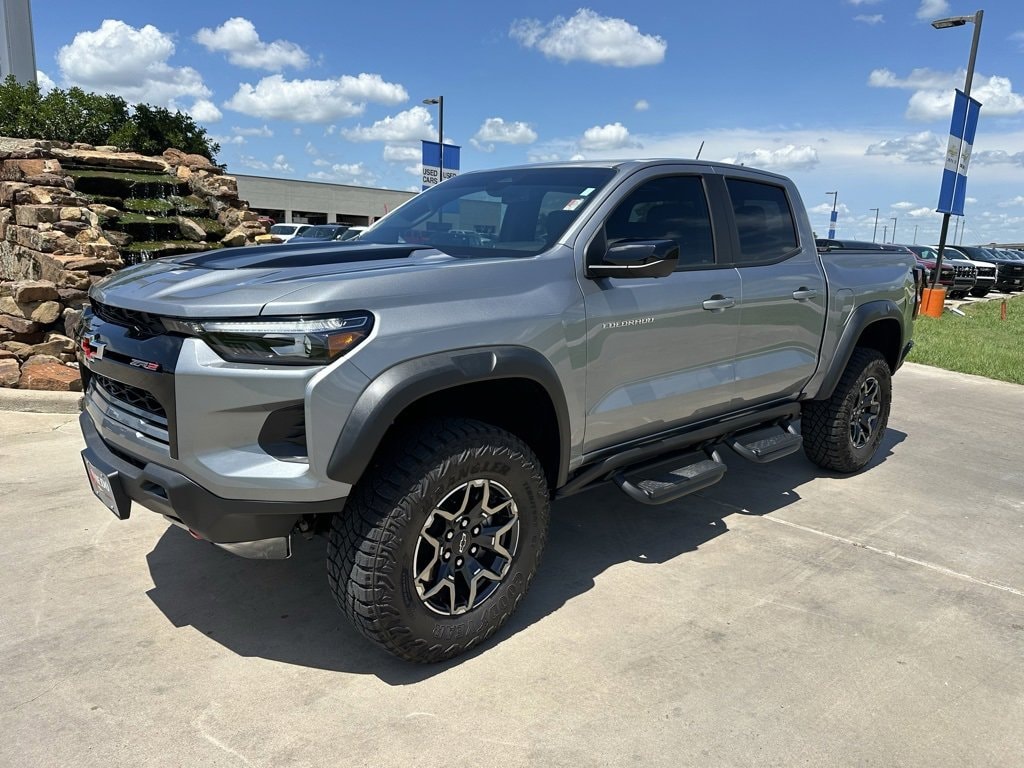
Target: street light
(957, 21)
(893, 229)
(832, 221)
(874, 234)
(915, 233)
(440, 135)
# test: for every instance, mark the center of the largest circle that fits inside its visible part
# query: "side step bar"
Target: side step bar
(669, 486)
(769, 448)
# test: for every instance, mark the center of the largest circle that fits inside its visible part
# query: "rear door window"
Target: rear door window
(764, 221)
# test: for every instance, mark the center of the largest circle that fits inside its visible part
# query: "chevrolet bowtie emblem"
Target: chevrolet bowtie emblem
(93, 348)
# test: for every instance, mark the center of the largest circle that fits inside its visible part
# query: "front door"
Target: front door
(661, 350)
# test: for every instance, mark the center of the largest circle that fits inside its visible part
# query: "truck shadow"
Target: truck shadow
(284, 611)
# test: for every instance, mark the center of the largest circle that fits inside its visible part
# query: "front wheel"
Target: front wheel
(980, 293)
(843, 432)
(438, 544)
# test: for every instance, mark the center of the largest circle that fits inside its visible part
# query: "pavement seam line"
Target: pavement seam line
(896, 555)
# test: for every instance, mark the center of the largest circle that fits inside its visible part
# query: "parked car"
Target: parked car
(281, 233)
(986, 277)
(963, 268)
(353, 232)
(948, 276)
(1010, 274)
(321, 233)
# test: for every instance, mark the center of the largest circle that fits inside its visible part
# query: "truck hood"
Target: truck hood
(240, 282)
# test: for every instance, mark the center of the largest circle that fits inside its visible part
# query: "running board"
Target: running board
(768, 448)
(669, 486)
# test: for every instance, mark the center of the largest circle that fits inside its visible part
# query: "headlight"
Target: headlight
(301, 341)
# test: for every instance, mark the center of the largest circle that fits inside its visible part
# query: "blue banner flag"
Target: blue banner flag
(433, 173)
(832, 225)
(962, 129)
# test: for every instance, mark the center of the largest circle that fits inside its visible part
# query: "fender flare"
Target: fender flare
(398, 387)
(862, 316)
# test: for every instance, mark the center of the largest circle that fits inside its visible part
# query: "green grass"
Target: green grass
(979, 343)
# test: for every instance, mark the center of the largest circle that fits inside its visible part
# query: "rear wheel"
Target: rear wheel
(843, 432)
(980, 292)
(439, 542)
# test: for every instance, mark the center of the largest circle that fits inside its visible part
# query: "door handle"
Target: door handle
(718, 303)
(803, 294)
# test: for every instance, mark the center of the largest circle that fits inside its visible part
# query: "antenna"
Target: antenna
(699, 150)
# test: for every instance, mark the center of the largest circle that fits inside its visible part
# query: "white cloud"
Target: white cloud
(605, 137)
(415, 123)
(825, 209)
(496, 131)
(997, 157)
(642, 105)
(921, 213)
(311, 149)
(251, 162)
(578, 156)
(1014, 203)
(225, 140)
(44, 82)
(321, 163)
(131, 63)
(788, 157)
(933, 92)
(281, 164)
(1018, 37)
(923, 147)
(543, 157)
(588, 36)
(931, 9)
(394, 153)
(904, 206)
(205, 111)
(345, 173)
(315, 101)
(263, 132)
(871, 19)
(238, 38)
(863, 2)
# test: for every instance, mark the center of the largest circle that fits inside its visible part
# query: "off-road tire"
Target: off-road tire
(980, 293)
(375, 541)
(827, 425)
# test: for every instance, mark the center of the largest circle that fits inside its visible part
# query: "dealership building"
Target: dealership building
(315, 202)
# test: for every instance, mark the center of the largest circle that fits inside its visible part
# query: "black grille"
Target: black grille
(142, 323)
(134, 396)
(986, 271)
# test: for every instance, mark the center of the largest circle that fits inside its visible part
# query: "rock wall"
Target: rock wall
(72, 214)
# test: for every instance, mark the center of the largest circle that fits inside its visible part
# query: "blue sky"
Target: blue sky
(851, 96)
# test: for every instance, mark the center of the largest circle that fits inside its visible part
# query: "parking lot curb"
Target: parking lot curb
(40, 401)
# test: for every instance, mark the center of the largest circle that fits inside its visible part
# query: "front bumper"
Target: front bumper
(182, 501)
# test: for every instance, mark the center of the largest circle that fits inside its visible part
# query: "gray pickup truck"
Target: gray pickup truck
(421, 394)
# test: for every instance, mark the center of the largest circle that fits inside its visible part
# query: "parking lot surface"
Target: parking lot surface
(782, 617)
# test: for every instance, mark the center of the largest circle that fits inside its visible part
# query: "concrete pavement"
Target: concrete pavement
(783, 617)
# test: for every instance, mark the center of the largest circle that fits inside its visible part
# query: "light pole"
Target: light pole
(915, 233)
(440, 135)
(957, 21)
(832, 221)
(885, 232)
(893, 229)
(874, 233)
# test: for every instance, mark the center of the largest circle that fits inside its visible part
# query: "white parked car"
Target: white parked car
(282, 233)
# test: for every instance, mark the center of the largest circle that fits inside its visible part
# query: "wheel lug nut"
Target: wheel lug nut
(446, 556)
(458, 562)
(464, 523)
(473, 550)
(449, 536)
(476, 531)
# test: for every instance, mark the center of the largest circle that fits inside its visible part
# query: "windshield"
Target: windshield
(321, 233)
(512, 212)
(283, 229)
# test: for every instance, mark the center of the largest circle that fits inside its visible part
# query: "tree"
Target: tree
(77, 115)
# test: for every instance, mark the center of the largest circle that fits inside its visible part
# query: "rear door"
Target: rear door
(660, 350)
(783, 296)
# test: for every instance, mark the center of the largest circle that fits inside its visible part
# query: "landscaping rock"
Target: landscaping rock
(48, 373)
(10, 372)
(34, 290)
(190, 230)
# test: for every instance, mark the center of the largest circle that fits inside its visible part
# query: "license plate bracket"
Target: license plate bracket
(107, 488)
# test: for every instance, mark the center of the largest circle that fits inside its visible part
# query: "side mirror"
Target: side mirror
(649, 258)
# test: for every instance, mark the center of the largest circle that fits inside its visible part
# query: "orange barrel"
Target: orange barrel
(933, 301)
